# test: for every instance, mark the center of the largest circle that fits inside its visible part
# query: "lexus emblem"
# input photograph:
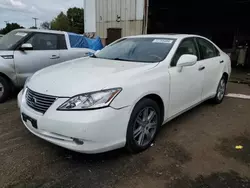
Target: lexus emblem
(33, 99)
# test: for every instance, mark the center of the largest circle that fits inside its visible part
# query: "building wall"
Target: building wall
(89, 16)
(124, 14)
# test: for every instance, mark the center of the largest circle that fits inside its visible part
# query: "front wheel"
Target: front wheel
(221, 90)
(143, 125)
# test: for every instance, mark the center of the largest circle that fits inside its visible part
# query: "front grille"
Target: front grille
(38, 101)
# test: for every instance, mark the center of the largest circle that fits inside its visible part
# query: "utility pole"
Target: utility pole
(35, 19)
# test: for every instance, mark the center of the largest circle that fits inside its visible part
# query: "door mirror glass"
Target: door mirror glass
(26, 46)
(187, 60)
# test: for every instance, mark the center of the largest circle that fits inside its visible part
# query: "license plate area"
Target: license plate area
(31, 120)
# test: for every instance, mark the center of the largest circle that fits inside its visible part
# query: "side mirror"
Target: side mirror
(26, 46)
(186, 60)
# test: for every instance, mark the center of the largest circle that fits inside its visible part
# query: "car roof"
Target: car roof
(170, 35)
(41, 30)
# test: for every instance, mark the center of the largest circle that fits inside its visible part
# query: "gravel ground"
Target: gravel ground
(195, 150)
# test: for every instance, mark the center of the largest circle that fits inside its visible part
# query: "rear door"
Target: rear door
(186, 86)
(214, 63)
(68, 53)
(45, 53)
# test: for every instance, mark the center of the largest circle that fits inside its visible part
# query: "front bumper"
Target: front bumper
(100, 130)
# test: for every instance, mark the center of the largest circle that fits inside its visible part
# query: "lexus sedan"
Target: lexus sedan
(121, 96)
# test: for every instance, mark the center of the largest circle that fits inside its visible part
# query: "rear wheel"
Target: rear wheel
(5, 89)
(143, 125)
(221, 90)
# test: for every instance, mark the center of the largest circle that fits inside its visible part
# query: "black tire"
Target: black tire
(5, 86)
(132, 145)
(218, 99)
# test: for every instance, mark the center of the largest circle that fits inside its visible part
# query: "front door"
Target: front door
(44, 53)
(185, 85)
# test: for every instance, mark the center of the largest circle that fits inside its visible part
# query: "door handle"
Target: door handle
(54, 57)
(201, 68)
(222, 61)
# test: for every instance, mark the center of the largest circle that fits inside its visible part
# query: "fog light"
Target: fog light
(78, 141)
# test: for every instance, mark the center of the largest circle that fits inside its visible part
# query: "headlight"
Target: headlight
(93, 100)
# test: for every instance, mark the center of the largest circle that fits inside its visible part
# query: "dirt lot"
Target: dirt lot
(195, 150)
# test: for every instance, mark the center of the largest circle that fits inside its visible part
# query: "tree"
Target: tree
(73, 21)
(76, 19)
(9, 27)
(45, 25)
(61, 22)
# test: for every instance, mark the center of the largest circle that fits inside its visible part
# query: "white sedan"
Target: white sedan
(122, 95)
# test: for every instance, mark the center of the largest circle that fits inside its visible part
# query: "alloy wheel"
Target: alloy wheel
(1, 90)
(145, 126)
(221, 89)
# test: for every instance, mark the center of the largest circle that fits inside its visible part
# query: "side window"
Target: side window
(62, 42)
(217, 51)
(187, 46)
(43, 41)
(207, 49)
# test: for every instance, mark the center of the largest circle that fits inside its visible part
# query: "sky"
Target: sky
(22, 11)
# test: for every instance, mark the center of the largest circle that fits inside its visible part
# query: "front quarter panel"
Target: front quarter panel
(7, 68)
(154, 81)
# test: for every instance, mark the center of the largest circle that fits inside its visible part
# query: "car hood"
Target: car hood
(85, 75)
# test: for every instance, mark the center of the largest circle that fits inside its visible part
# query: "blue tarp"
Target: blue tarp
(79, 41)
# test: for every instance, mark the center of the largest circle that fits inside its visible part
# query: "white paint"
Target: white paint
(89, 16)
(105, 129)
(240, 96)
(166, 41)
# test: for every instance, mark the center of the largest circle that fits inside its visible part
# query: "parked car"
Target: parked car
(25, 51)
(123, 94)
(1, 36)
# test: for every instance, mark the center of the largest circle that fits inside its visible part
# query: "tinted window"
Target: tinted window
(138, 49)
(42, 41)
(62, 42)
(217, 52)
(207, 49)
(187, 46)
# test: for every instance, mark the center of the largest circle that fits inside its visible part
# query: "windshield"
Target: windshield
(7, 41)
(148, 50)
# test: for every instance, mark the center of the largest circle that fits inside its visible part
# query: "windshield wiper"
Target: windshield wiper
(120, 59)
(93, 56)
